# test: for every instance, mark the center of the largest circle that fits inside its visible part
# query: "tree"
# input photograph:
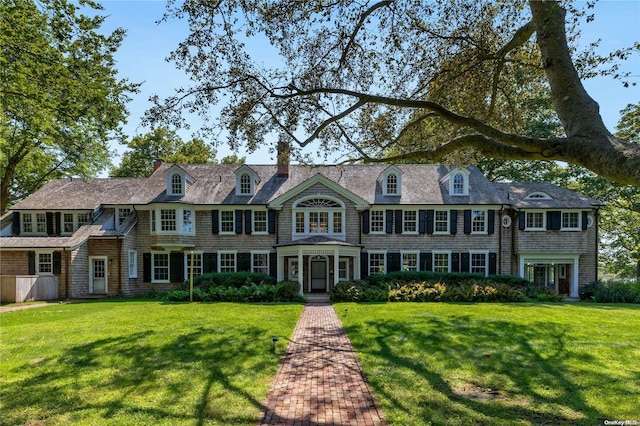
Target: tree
(61, 101)
(367, 75)
(162, 144)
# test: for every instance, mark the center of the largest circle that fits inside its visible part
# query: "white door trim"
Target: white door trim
(106, 273)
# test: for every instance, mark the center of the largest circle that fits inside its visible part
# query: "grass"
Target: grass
(140, 362)
(447, 363)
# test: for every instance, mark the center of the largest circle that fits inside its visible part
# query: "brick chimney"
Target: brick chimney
(283, 158)
(156, 163)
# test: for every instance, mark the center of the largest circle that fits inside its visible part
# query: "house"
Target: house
(317, 225)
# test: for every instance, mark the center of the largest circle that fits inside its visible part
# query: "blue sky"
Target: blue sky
(141, 58)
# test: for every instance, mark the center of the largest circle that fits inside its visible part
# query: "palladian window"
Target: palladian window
(318, 215)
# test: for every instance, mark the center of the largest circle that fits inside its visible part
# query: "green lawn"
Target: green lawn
(443, 363)
(140, 362)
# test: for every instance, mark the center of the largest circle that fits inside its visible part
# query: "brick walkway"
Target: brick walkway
(320, 381)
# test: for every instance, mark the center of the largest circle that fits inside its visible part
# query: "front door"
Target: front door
(98, 275)
(318, 274)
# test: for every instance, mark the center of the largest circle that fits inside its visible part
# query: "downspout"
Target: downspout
(514, 250)
(597, 240)
(119, 245)
(67, 263)
(499, 259)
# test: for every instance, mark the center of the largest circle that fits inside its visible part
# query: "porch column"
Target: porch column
(575, 279)
(336, 267)
(301, 271)
(356, 267)
(280, 272)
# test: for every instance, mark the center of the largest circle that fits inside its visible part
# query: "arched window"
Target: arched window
(245, 184)
(318, 215)
(392, 183)
(176, 184)
(458, 184)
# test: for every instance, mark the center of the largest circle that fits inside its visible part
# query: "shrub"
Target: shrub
(286, 291)
(231, 279)
(611, 292)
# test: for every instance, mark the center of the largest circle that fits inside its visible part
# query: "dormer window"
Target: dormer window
(246, 180)
(391, 181)
(459, 182)
(176, 184)
(178, 181)
(538, 196)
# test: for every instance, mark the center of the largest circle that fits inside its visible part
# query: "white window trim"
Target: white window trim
(448, 231)
(253, 223)
(170, 183)
(433, 259)
(347, 262)
(132, 263)
(385, 184)
(417, 222)
(187, 263)
(384, 253)
(465, 182)
(578, 228)
(235, 259)
(544, 220)
(261, 252)
(413, 252)
(153, 267)
(486, 222)
(119, 217)
(382, 231)
(155, 216)
(233, 221)
(486, 260)
(41, 252)
(34, 223)
(239, 184)
(329, 210)
(293, 262)
(538, 195)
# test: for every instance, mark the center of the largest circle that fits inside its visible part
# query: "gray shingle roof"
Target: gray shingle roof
(517, 194)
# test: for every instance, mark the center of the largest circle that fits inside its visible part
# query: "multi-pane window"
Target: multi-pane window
(337, 222)
(260, 262)
(83, 218)
(227, 261)
(441, 262)
(197, 264)
(41, 223)
(300, 222)
(392, 183)
(343, 269)
(187, 221)
(478, 221)
(377, 221)
(479, 263)
(534, 220)
(441, 221)
(245, 184)
(319, 222)
(133, 264)
(227, 221)
(176, 184)
(45, 263)
(67, 223)
(570, 220)
(27, 222)
(123, 213)
(409, 221)
(160, 267)
(376, 263)
(167, 220)
(260, 221)
(409, 261)
(318, 216)
(458, 184)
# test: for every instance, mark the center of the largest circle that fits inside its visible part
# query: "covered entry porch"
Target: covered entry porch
(556, 271)
(318, 264)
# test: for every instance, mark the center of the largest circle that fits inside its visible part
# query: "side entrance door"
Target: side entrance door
(318, 274)
(98, 275)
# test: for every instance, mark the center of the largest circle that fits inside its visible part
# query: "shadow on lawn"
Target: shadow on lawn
(144, 378)
(488, 372)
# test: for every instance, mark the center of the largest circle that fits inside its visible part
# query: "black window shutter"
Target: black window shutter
(176, 266)
(430, 221)
(554, 220)
(272, 221)
(521, 220)
(422, 221)
(455, 262)
(398, 221)
(58, 223)
(244, 262)
(393, 262)
(273, 265)
(238, 221)
(453, 225)
(464, 262)
(247, 221)
(15, 224)
(585, 219)
(50, 230)
(146, 267)
(209, 262)
(491, 220)
(426, 262)
(57, 263)
(493, 263)
(215, 221)
(389, 221)
(364, 265)
(365, 222)
(467, 221)
(32, 263)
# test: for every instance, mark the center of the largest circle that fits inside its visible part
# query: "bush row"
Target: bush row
(231, 279)
(440, 287)
(286, 291)
(611, 292)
